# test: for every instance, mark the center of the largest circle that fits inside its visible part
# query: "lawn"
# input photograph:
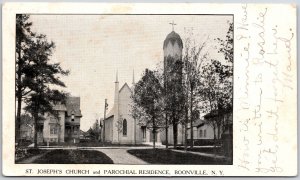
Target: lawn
(164, 156)
(60, 156)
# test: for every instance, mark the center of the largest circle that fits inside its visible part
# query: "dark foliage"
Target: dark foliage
(60, 156)
(164, 156)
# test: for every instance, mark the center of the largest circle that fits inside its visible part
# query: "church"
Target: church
(119, 127)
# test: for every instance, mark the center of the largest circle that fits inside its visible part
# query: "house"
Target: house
(26, 128)
(64, 125)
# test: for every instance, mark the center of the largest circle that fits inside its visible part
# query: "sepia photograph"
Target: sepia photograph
(130, 89)
(149, 89)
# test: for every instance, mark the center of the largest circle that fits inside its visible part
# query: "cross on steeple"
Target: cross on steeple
(173, 24)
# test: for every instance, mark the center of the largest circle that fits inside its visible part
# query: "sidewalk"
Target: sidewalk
(121, 156)
(200, 153)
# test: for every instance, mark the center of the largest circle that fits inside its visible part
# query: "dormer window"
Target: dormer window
(72, 116)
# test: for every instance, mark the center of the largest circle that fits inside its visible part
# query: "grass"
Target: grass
(24, 153)
(60, 156)
(164, 156)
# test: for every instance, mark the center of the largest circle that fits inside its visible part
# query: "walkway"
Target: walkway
(121, 156)
(200, 153)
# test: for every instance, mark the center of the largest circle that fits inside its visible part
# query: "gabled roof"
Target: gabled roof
(125, 85)
(73, 106)
(60, 107)
(217, 112)
(111, 111)
(199, 123)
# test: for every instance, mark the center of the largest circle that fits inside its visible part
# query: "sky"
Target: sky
(95, 47)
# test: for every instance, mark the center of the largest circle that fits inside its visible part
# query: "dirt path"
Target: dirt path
(121, 156)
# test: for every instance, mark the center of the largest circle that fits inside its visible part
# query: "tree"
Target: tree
(24, 41)
(217, 88)
(96, 129)
(173, 96)
(42, 74)
(147, 102)
(193, 58)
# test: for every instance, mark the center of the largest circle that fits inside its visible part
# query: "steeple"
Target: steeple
(133, 77)
(117, 81)
(116, 110)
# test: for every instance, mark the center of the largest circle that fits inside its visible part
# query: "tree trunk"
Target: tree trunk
(191, 116)
(185, 128)
(35, 130)
(219, 131)
(153, 133)
(167, 142)
(215, 150)
(175, 132)
(18, 118)
(19, 96)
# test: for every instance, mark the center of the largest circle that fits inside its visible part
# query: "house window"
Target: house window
(204, 133)
(200, 134)
(53, 129)
(75, 130)
(124, 127)
(72, 117)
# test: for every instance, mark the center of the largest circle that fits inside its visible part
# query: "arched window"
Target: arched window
(124, 127)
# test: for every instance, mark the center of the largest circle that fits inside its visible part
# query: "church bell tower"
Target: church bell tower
(172, 57)
(172, 47)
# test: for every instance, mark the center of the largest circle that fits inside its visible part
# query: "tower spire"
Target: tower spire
(133, 77)
(117, 77)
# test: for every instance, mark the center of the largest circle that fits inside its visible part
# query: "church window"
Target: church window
(200, 134)
(204, 133)
(124, 127)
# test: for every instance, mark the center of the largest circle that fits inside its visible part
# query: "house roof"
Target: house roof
(60, 107)
(215, 113)
(198, 123)
(73, 106)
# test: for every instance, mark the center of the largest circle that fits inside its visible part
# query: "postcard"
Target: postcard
(149, 89)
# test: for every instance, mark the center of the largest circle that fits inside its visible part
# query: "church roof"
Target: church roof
(125, 85)
(173, 37)
(112, 110)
